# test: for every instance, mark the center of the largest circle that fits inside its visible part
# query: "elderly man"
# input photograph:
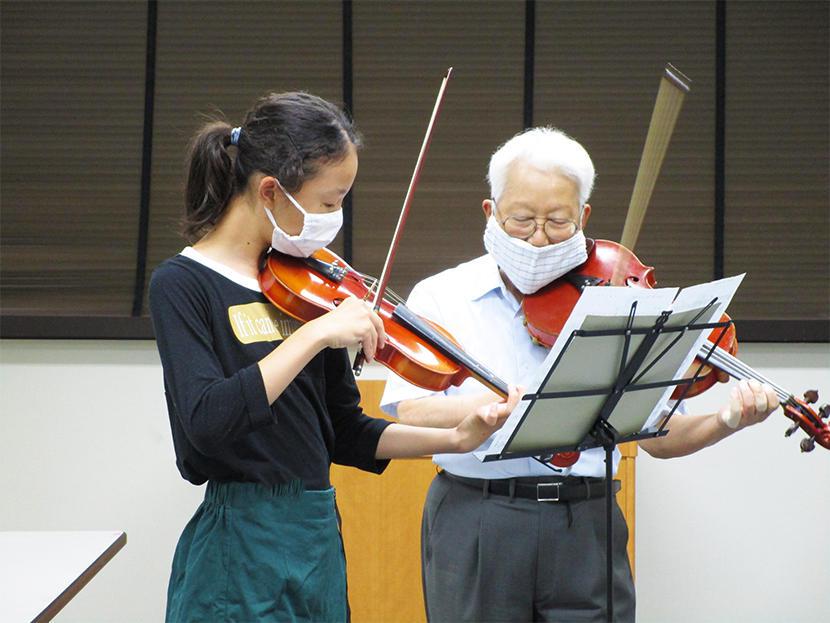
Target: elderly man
(490, 551)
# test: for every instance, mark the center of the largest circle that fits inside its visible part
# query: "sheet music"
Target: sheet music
(685, 308)
(594, 363)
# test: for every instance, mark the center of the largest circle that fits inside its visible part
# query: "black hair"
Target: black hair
(287, 135)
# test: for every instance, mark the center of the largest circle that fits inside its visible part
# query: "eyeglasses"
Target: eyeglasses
(524, 227)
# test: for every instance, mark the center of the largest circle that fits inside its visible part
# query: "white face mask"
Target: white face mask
(529, 267)
(318, 230)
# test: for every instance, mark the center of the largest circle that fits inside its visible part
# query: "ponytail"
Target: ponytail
(287, 135)
(210, 179)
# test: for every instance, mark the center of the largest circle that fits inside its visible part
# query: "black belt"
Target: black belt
(563, 489)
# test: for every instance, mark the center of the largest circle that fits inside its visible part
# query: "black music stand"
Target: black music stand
(643, 345)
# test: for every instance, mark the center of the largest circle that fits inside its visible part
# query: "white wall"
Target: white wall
(737, 532)
(85, 445)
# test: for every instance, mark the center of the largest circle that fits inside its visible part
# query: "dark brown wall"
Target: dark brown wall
(744, 187)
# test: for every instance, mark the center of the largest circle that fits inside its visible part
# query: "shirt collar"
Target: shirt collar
(489, 281)
(225, 271)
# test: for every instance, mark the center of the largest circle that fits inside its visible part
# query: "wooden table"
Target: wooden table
(41, 571)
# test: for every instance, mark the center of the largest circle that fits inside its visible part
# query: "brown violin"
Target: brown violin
(417, 350)
(610, 263)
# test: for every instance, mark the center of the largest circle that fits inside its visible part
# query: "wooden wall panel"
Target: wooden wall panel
(382, 531)
(627, 474)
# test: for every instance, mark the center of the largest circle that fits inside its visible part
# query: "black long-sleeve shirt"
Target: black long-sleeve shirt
(211, 331)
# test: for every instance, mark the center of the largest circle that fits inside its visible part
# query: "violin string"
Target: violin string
(371, 282)
(729, 364)
(374, 282)
(739, 370)
(395, 297)
(734, 366)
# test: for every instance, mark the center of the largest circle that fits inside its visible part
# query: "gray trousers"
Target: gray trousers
(490, 558)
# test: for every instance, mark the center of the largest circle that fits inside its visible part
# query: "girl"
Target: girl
(259, 406)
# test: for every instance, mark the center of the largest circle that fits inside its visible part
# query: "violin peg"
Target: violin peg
(791, 430)
(824, 412)
(808, 444)
(811, 396)
(357, 366)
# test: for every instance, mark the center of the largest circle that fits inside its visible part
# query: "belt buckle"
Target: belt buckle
(542, 496)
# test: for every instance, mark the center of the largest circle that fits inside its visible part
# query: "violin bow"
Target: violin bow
(407, 202)
(670, 95)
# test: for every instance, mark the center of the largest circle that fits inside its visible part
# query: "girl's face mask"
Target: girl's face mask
(318, 230)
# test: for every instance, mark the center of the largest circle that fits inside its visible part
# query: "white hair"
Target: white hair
(547, 149)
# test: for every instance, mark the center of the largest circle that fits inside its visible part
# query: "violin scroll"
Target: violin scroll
(806, 418)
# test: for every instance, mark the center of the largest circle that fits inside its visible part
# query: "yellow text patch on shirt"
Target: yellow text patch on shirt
(258, 322)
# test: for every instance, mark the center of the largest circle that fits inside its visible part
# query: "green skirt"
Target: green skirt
(258, 553)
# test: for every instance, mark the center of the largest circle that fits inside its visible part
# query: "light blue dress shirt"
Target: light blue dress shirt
(473, 304)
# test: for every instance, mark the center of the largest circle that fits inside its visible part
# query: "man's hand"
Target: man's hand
(750, 402)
